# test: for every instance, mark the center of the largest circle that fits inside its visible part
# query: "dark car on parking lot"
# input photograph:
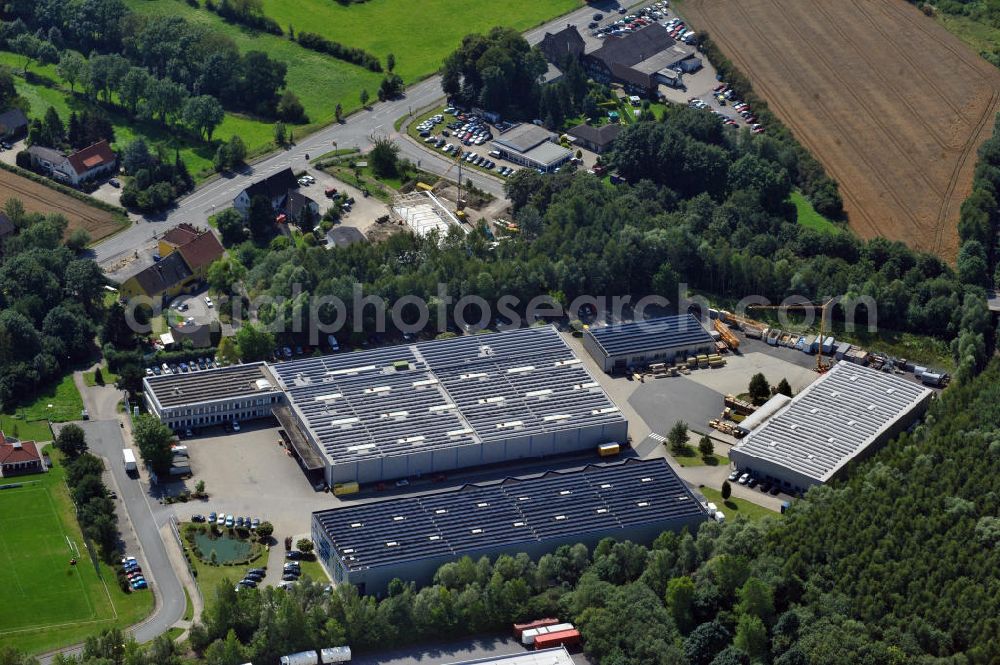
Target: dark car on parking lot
(293, 555)
(288, 577)
(197, 518)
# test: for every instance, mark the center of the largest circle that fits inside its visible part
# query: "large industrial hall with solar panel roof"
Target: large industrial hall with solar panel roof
(430, 407)
(410, 537)
(843, 416)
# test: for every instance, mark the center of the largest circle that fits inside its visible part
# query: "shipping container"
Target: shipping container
(519, 628)
(562, 638)
(931, 379)
(335, 655)
(529, 636)
(340, 489)
(608, 449)
(301, 658)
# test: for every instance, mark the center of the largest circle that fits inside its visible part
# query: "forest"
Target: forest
(50, 303)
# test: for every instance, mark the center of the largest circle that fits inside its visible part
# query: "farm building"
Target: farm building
(844, 415)
(440, 405)
(666, 339)
(92, 162)
(556, 656)
(532, 146)
(212, 397)
(410, 537)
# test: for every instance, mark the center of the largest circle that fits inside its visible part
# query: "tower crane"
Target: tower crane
(821, 365)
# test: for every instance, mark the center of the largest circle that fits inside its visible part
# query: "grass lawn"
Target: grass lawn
(420, 34)
(314, 570)
(735, 506)
(64, 398)
(90, 378)
(28, 430)
(980, 36)
(808, 217)
(44, 601)
(695, 459)
(319, 80)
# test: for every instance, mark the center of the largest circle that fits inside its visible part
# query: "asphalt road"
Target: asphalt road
(355, 131)
(105, 439)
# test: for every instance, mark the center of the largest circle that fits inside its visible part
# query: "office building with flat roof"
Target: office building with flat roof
(665, 339)
(410, 537)
(213, 396)
(845, 415)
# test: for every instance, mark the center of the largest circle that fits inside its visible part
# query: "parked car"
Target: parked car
(140, 584)
(236, 426)
(734, 475)
(197, 518)
(293, 555)
(230, 522)
(248, 583)
(255, 524)
(211, 517)
(239, 522)
(221, 520)
(744, 478)
(288, 577)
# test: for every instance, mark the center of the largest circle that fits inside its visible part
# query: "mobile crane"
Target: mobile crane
(824, 307)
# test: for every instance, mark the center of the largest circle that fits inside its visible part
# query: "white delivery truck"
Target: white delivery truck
(129, 458)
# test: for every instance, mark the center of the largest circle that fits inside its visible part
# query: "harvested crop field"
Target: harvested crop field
(892, 104)
(39, 198)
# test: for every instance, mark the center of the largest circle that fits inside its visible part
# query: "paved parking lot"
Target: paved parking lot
(247, 473)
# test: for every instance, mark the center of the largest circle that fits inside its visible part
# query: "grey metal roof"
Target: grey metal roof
(172, 390)
(668, 332)
(548, 153)
(467, 390)
(555, 505)
(834, 419)
(523, 138)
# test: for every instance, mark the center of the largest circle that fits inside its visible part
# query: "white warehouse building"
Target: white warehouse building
(843, 416)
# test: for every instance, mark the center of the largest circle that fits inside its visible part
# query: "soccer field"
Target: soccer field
(44, 601)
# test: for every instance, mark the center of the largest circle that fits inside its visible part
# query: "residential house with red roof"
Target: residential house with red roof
(92, 162)
(18, 457)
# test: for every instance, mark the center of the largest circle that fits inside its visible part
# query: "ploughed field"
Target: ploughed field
(39, 198)
(892, 104)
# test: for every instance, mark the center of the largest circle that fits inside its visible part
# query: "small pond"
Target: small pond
(226, 549)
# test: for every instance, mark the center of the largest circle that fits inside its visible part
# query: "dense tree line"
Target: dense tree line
(150, 65)
(249, 13)
(351, 54)
(978, 264)
(498, 71)
(50, 300)
(155, 181)
(704, 206)
(895, 565)
(94, 507)
(807, 174)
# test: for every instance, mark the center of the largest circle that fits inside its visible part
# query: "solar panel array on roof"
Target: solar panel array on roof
(475, 517)
(446, 393)
(832, 420)
(639, 337)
